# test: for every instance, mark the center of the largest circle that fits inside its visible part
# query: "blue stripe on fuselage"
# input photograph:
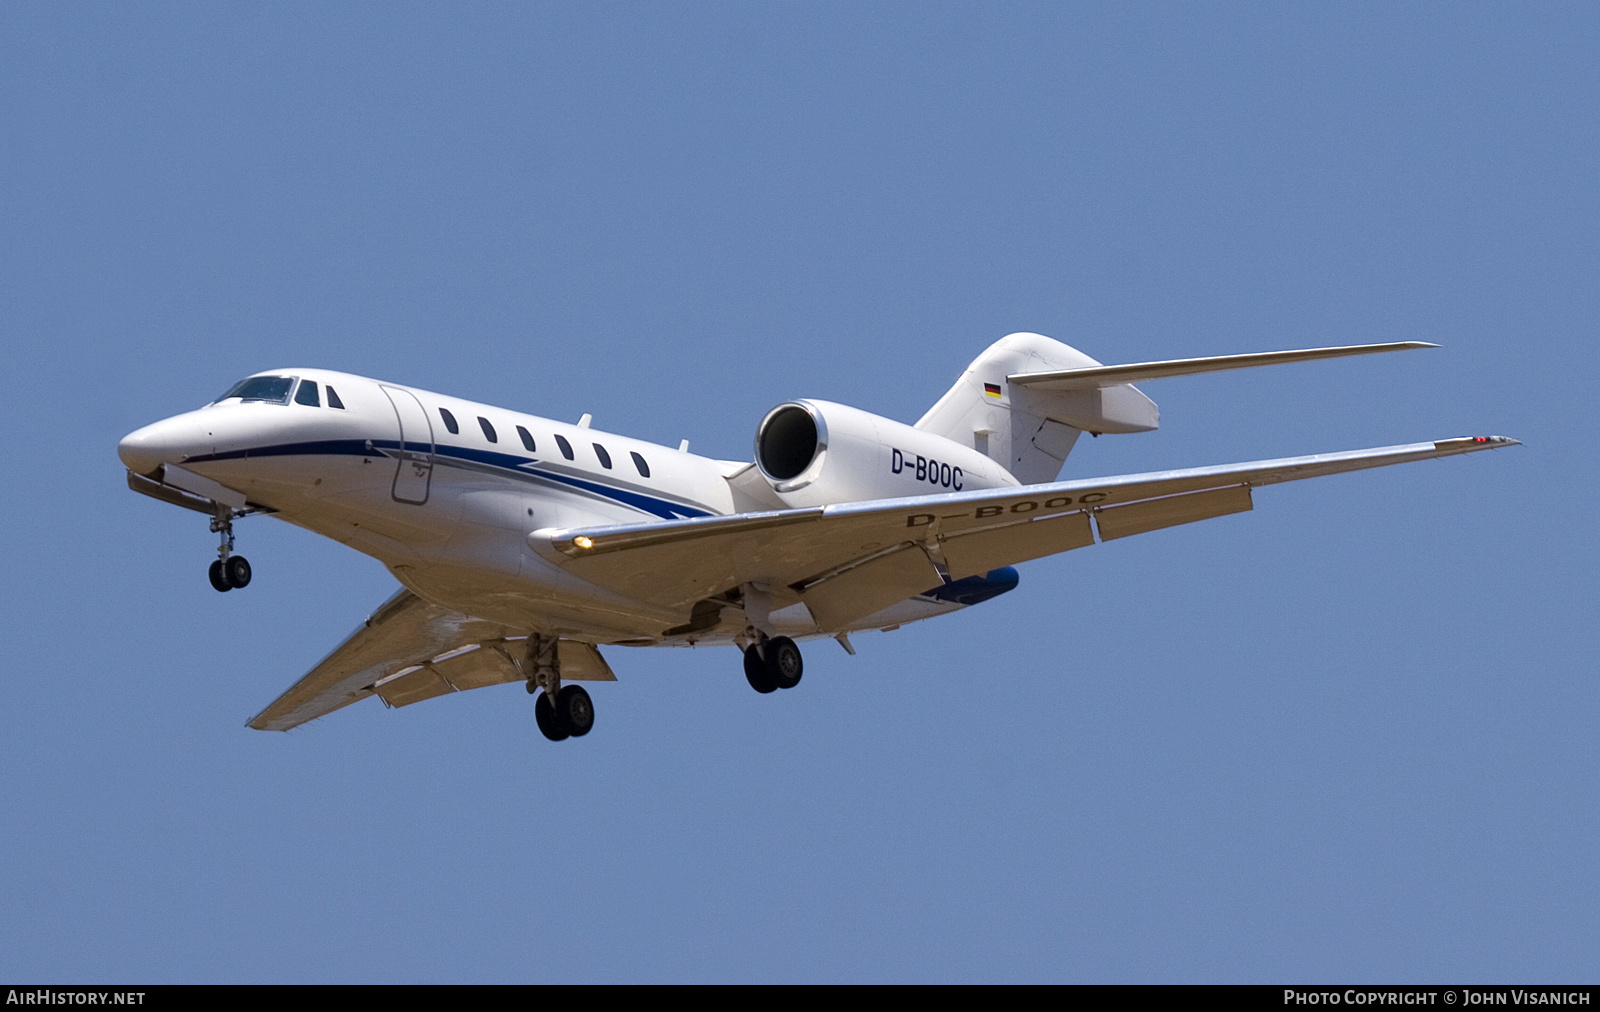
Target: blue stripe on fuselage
(522, 467)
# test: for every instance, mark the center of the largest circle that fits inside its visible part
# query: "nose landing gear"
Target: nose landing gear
(229, 571)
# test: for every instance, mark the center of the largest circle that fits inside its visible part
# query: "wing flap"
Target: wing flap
(412, 686)
(980, 551)
(582, 662)
(1142, 517)
(872, 586)
(477, 667)
(890, 578)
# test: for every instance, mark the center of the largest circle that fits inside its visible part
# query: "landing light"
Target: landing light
(583, 542)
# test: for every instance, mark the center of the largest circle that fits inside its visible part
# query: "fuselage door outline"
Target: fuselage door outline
(414, 469)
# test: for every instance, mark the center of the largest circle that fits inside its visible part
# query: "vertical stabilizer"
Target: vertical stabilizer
(1030, 432)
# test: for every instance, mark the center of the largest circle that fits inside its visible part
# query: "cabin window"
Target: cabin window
(274, 389)
(527, 438)
(488, 430)
(334, 401)
(307, 395)
(605, 458)
(566, 447)
(638, 462)
(450, 421)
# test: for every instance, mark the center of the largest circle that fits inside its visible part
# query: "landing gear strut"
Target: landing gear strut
(561, 711)
(773, 663)
(229, 572)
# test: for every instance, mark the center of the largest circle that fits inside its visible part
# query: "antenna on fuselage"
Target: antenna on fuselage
(583, 423)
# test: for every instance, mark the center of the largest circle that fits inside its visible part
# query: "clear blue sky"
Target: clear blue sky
(1348, 736)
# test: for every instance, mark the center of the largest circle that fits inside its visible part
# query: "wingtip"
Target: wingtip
(1476, 443)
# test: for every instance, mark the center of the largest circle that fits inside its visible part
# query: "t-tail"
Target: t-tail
(1025, 401)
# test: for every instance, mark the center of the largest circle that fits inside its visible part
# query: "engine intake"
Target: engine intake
(789, 439)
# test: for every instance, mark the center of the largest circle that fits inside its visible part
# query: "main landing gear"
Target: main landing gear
(570, 716)
(229, 572)
(773, 663)
(561, 711)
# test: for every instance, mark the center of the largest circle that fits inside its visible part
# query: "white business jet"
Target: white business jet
(523, 544)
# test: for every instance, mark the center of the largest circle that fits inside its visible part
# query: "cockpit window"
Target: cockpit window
(261, 388)
(334, 401)
(307, 395)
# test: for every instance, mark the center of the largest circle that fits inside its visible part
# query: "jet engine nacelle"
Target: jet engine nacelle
(815, 452)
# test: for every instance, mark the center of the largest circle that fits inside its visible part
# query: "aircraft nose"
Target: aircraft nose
(170, 441)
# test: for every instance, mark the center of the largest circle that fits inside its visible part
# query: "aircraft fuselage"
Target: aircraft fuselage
(445, 491)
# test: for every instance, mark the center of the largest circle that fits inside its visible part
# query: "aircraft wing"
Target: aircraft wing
(850, 560)
(411, 650)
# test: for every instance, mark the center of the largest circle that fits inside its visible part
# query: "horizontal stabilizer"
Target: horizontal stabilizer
(1116, 375)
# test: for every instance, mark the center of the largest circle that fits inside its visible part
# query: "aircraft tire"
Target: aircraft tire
(574, 710)
(755, 671)
(218, 579)
(784, 664)
(545, 716)
(237, 571)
